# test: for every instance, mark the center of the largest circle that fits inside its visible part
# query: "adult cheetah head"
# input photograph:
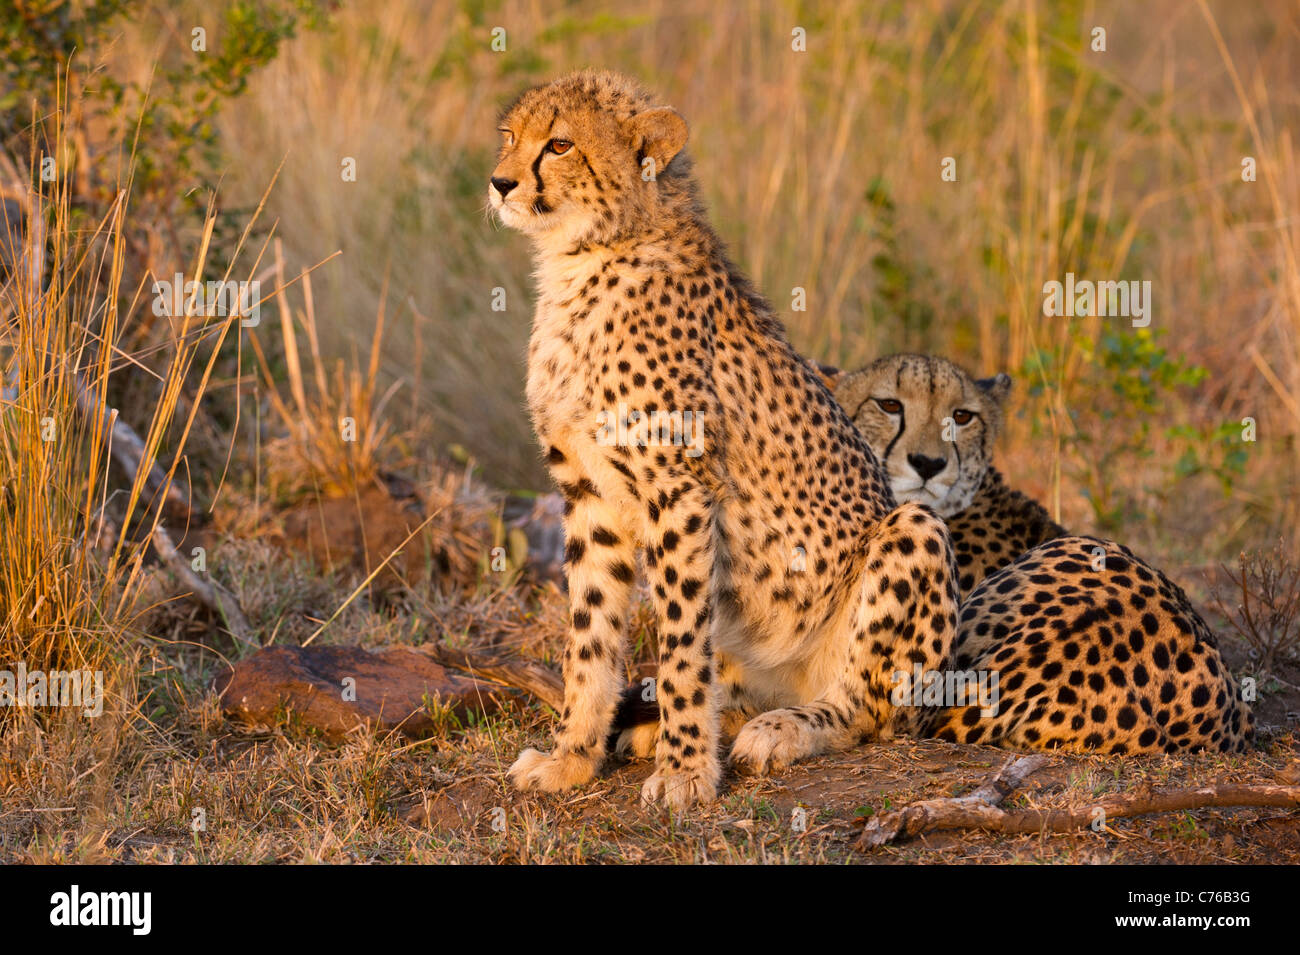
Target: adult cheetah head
(930, 423)
(585, 157)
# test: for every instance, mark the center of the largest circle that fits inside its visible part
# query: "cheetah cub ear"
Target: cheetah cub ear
(997, 387)
(659, 133)
(829, 375)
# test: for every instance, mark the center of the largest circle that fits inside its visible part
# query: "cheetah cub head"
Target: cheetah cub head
(930, 423)
(585, 158)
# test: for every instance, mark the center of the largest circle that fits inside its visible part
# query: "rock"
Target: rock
(389, 528)
(466, 805)
(394, 689)
(358, 534)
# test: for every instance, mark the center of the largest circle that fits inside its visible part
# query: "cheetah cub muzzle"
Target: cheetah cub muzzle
(681, 427)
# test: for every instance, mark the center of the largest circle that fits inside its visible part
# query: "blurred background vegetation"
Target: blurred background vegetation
(821, 169)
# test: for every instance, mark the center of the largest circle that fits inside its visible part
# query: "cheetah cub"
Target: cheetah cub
(681, 427)
(1095, 649)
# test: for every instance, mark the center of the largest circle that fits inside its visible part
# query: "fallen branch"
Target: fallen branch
(527, 675)
(129, 450)
(208, 592)
(1146, 801)
(980, 809)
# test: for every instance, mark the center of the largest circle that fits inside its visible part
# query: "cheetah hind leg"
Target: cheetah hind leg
(905, 613)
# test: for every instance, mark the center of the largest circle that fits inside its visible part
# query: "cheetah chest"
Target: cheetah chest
(572, 382)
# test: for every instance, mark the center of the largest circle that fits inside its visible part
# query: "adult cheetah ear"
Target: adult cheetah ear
(659, 133)
(997, 387)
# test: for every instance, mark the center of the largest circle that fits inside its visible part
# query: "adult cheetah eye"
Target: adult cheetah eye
(890, 405)
(962, 416)
(559, 146)
(509, 136)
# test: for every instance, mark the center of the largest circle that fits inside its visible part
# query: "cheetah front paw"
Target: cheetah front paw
(772, 741)
(680, 789)
(551, 772)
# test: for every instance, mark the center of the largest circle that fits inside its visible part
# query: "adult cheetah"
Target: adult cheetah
(1094, 648)
(680, 425)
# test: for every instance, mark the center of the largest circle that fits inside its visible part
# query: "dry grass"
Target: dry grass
(73, 580)
(289, 798)
(69, 573)
(332, 422)
(822, 171)
(188, 787)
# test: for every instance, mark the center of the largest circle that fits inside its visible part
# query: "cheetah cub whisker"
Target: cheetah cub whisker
(788, 587)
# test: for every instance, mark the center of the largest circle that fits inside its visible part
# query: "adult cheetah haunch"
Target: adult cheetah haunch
(1097, 651)
(787, 586)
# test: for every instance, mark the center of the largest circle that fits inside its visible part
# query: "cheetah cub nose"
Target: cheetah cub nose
(926, 467)
(503, 186)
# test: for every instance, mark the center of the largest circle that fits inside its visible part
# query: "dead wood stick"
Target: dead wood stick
(1142, 802)
(975, 809)
(128, 450)
(208, 592)
(968, 812)
(528, 675)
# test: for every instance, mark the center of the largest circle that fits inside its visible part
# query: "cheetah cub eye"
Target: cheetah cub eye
(962, 416)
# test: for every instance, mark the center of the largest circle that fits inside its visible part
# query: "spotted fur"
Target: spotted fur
(787, 583)
(1095, 650)
(935, 455)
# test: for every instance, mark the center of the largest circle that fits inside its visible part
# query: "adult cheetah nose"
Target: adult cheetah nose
(926, 467)
(503, 186)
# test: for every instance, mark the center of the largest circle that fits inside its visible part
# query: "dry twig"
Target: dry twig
(981, 809)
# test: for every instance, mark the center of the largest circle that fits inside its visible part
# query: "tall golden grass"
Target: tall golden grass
(822, 170)
(72, 564)
(56, 592)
